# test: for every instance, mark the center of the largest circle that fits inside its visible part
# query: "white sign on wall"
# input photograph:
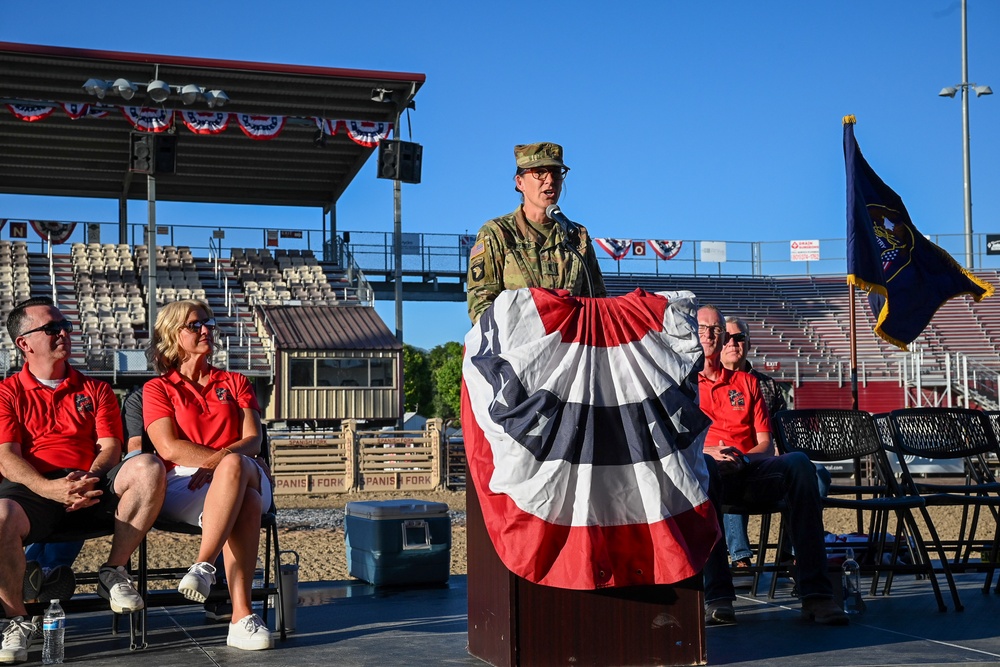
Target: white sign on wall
(713, 251)
(410, 243)
(804, 251)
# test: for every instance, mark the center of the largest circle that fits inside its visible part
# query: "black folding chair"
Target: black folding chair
(835, 435)
(963, 434)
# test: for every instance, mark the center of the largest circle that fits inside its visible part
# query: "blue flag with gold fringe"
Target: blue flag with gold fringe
(907, 277)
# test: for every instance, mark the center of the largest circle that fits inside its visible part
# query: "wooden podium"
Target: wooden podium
(513, 622)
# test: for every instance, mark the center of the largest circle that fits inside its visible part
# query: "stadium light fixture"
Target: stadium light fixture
(950, 91)
(190, 93)
(97, 87)
(216, 98)
(125, 88)
(158, 91)
(382, 95)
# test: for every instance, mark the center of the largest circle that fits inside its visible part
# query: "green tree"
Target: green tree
(445, 363)
(418, 390)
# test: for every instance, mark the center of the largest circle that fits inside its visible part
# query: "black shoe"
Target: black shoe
(824, 611)
(33, 580)
(60, 584)
(217, 612)
(720, 612)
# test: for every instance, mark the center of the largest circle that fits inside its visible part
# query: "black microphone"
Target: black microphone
(553, 212)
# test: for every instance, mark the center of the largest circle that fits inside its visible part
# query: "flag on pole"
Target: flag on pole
(907, 277)
(584, 437)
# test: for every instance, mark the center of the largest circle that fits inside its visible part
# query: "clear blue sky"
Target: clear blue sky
(708, 120)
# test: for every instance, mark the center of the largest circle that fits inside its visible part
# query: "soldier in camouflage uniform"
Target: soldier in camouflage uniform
(525, 248)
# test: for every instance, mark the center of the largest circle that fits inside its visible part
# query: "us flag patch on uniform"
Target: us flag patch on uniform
(477, 250)
(83, 403)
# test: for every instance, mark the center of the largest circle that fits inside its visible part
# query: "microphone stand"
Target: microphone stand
(553, 212)
(586, 269)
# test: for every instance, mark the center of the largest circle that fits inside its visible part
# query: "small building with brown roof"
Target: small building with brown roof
(332, 363)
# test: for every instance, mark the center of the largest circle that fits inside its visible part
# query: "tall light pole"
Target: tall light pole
(950, 92)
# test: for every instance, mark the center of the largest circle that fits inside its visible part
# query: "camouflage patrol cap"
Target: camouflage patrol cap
(543, 154)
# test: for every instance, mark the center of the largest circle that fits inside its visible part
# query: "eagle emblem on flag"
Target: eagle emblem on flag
(584, 437)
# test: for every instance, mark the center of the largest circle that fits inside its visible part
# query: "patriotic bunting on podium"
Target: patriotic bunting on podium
(584, 437)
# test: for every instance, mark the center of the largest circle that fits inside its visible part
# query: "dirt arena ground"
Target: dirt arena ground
(317, 534)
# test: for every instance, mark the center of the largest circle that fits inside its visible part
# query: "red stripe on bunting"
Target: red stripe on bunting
(624, 320)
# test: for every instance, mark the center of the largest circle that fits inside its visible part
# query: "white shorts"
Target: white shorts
(186, 505)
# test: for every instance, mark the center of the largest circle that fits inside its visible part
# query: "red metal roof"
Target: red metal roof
(327, 328)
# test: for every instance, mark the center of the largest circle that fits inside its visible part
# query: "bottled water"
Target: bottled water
(53, 634)
(851, 578)
(258, 582)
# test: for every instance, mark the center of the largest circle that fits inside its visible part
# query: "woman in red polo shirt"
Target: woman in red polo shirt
(205, 424)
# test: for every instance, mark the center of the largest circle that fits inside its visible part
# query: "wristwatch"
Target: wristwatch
(744, 459)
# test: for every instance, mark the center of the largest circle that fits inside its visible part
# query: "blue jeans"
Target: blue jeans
(53, 554)
(735, 525)
(763, 484)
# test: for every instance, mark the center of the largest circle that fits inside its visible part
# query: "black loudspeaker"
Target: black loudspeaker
(400, 160)
(141, 151)
(166, 153)
(153, 154)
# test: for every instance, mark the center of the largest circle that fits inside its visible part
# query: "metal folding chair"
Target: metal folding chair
(835, 435)
(967, 435)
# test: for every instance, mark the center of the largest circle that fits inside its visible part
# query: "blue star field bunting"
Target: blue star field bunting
(907, 277)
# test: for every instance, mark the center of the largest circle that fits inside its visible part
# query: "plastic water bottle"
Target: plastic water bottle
(851, 578)
(53, 634)
(258, 582)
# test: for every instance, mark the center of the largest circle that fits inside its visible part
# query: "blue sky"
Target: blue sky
(694, 120)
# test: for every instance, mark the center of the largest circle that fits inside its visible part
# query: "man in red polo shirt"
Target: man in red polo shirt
(60, 457)
(744, 470)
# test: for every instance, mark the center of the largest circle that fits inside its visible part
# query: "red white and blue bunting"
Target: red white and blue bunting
(366, 133)
(206, 122)
(154, 119)
(54, 231)
(261, 128)
(328, 126)
(617, 248)
(30, 112)
(665, 249)
(149, 119)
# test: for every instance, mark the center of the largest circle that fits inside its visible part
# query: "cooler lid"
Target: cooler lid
(395, 509)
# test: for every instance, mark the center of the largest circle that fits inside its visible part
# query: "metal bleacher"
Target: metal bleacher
(806, 319)
(103, 288)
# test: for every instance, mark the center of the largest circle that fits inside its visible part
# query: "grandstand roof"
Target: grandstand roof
(327, 328)
(90, 157)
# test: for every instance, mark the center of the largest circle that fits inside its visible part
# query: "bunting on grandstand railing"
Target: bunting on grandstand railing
(328, 126)
(588, 485)
(617, 248)
(53, 231)
(665, 249)
(261, 128)
(366, 133)
(149, 119)
(206, 122)
(30, 112)
(153, 119)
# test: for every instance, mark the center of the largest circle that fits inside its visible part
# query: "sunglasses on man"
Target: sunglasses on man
(52, 328)
(737, 338)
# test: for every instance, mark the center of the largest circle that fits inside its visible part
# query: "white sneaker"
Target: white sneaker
(197, 583)
(115, 586)
(16, 639)
(250, 634)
